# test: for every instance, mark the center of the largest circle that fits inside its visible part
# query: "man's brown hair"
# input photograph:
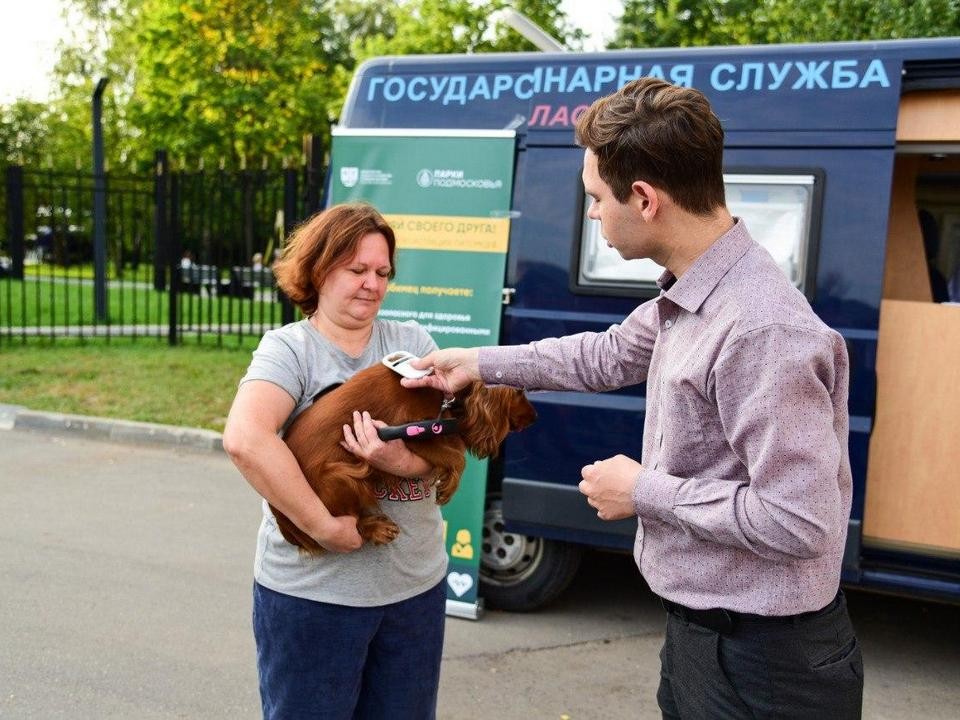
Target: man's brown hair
(662, 134)
(321, 243)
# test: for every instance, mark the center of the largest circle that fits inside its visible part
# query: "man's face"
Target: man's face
(621, 223)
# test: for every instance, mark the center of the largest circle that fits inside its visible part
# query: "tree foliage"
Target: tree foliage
(237, 80)
(25, 129)
(458, 26)
(233, 79)
(684, 23)
(240, 80)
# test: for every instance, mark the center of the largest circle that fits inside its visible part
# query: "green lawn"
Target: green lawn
(45, 301)
(190, 385)
(142, 273)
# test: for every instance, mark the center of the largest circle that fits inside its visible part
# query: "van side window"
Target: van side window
(938, 211)
(778, 211)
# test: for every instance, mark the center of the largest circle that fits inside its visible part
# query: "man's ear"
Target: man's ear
(646, 199)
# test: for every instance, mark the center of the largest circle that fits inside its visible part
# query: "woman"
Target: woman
(358, 631)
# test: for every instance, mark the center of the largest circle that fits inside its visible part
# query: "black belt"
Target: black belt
(723, 621)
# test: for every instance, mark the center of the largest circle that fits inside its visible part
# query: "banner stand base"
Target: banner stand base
(466, 610)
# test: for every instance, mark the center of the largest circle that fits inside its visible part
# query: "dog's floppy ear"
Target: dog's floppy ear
(484, 423)
(521, 412)
(489, 413)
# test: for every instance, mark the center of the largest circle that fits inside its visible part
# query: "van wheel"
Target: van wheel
(522, 572)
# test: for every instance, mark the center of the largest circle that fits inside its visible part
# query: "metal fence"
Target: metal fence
(188, 253)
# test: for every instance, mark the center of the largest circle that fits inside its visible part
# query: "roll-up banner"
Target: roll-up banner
(447, 196)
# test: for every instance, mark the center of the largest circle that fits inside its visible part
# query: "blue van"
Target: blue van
(844, 159)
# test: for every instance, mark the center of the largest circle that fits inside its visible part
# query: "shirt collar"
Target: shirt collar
(695, 285)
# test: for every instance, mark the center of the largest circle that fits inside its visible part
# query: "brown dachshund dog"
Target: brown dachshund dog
(347, 484)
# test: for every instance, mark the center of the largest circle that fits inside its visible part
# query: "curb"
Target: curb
(17, 417)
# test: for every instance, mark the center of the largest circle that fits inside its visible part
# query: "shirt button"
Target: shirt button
(668, 324)
(499, 374)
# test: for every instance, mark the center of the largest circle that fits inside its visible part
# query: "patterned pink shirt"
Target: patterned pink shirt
(745, 494)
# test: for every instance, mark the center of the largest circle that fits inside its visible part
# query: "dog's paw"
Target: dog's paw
(378, 529)
(385, 533)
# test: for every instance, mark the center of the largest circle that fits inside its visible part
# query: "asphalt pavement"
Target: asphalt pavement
(125, 575)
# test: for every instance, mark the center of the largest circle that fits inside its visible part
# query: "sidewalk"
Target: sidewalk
(127, 554)
(17, 417)
(127, 594)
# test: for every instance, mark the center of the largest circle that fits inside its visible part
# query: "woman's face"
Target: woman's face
(352, 292)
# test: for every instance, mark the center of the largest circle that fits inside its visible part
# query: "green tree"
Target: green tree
(234, 79)
(245, 79)
(215, 79)
(464, 26)
(24, 132)
(549, 15)
(825, 20)
(684, 23)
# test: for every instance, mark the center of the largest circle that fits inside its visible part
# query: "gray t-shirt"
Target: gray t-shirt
(303, 362)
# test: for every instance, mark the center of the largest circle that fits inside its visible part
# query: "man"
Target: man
(744, 489)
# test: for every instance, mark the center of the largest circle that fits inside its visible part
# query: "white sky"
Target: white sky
(595, 17)
(31, 29)
(28, 39)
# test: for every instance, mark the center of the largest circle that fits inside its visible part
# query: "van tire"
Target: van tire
(522, 572)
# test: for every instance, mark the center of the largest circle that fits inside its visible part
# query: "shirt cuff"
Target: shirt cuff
(498, 365)
(655, 495)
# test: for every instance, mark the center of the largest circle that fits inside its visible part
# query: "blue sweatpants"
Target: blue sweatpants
(333, 662)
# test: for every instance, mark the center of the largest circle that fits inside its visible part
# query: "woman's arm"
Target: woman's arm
(250, 439)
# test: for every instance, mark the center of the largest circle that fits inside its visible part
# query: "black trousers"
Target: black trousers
(805, 667)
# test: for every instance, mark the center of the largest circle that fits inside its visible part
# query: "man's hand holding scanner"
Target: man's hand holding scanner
(453, 369)
(608, 485)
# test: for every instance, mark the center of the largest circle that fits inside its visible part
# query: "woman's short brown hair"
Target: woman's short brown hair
(662, 134)
(321, 243)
